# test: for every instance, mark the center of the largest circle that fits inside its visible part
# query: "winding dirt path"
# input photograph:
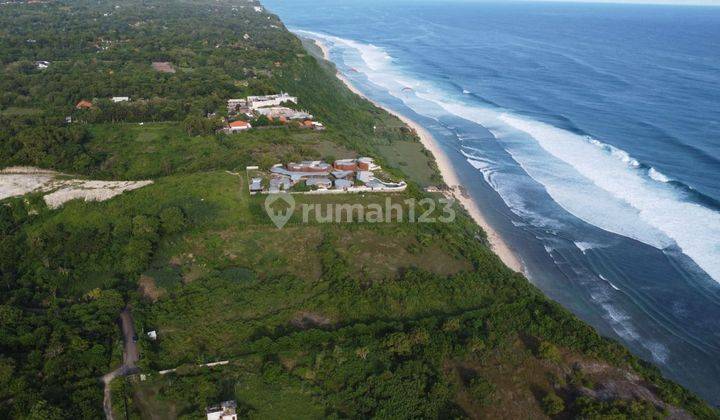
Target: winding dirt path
(130, 358)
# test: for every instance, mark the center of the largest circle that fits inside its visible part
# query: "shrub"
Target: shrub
(552, 404)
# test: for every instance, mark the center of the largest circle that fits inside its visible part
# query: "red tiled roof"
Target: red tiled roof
(84, 104)
(239, 124)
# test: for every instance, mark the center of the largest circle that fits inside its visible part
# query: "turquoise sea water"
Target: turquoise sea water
(588, 134)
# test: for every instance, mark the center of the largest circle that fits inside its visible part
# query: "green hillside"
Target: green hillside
(390, 320)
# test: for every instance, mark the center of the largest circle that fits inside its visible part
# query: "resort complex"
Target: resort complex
(268, 110)
(342, 176)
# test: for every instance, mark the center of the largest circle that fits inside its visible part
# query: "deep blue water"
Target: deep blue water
(588, 134)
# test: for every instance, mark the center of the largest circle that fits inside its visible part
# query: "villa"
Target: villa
(343, 184)
(319, 182)
(367, 164)
(256, 185)
(84, 104)
(343, 176)
(237, 126)
(313, 166)
(345, 165)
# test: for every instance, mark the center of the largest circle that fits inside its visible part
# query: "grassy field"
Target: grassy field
(411, 159)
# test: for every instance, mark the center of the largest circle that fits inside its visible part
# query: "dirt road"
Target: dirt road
(130, 358)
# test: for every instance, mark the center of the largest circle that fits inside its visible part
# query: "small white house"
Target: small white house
(224, 411)
(42, 65)
(117, 99)
(256, 185)
(238, 126)
(152, 335)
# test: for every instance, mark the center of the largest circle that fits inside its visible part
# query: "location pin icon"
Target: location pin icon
(280, 214)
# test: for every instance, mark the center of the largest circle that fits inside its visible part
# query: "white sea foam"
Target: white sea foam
(584, 247)
(657, 175)
(478, 164)
(693, 227)
(609, 282)
(596, 182)
(622, 326)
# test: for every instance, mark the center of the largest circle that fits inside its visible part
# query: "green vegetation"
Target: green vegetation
(316, 320)
(552, 404)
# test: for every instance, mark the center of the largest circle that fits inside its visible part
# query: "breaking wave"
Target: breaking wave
(596, 182)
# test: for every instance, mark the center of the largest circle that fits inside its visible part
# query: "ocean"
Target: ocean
(589, 136)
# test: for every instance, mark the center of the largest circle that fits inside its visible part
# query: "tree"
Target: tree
(552, 404)
(172, 220)
(481, 390)
(549, 352)
(197, 126)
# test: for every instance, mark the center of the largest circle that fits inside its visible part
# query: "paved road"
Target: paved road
(130, 358)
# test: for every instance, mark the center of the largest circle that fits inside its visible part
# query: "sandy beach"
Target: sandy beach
(498, 245)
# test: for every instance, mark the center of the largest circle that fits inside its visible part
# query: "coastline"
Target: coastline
(448, 173)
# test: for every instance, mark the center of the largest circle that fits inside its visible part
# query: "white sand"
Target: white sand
(90, 191)
(499, 246)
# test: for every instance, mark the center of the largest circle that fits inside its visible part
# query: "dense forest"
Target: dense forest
(316, 320)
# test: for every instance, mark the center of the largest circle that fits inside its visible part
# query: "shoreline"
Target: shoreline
(448, 174)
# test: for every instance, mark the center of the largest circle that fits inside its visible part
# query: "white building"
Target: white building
(42, 65)
(255, 102)
(117, 99)
(256, 185)
(238, 126)
(224, 411)
(365, 176)
(152, 335)
(276, 112)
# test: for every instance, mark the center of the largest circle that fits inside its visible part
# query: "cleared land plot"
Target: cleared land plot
(376, 255)
(412, 159)
(163, 67)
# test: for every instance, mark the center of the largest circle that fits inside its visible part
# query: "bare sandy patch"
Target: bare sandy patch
(20, 180)
(148, 288)
(89, 190)
(16, 181)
